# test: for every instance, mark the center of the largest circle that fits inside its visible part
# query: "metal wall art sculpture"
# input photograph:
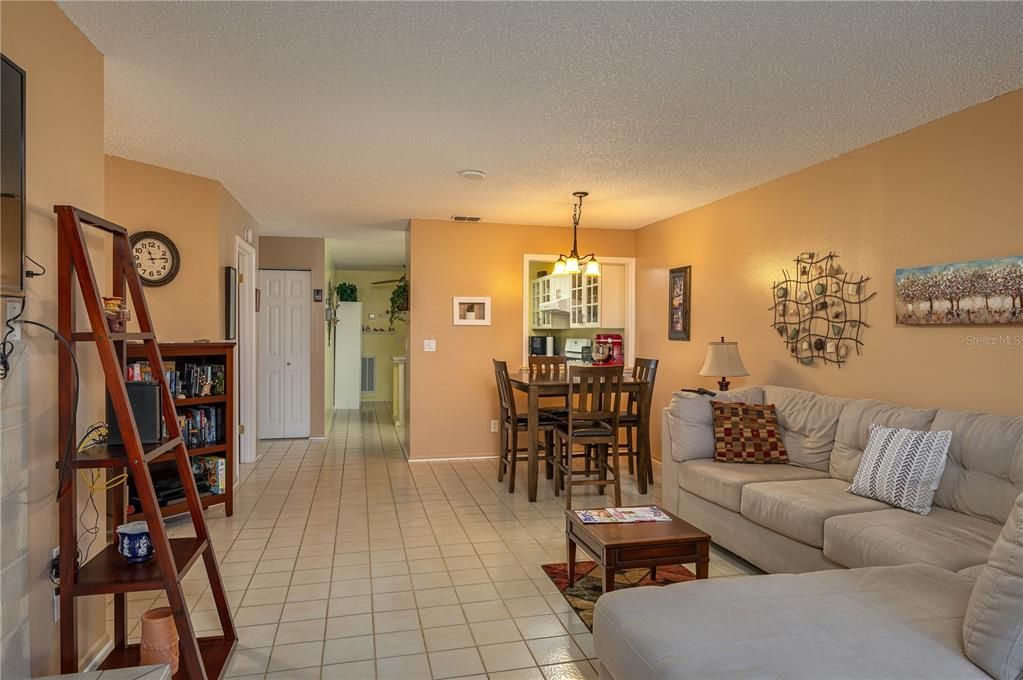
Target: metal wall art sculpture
(818, 312)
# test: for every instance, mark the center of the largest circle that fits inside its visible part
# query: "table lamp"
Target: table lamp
(723, 360)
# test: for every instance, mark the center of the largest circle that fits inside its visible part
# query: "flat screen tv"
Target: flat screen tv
(12, 179)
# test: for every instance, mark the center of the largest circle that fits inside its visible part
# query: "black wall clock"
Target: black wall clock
(156, 257)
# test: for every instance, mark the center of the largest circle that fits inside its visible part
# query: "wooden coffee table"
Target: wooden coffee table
(646, 545)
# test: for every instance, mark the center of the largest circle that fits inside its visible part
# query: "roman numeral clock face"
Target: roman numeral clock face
(156, 257)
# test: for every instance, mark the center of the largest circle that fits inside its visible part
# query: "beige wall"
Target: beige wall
(202, 218)
(947, 191)
(377, 300)
(286, 252)
(452, 391)
(64, 149)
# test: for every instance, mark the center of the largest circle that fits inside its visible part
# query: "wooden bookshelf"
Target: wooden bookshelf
(214, 353)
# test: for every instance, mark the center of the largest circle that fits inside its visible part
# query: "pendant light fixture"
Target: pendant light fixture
(573, 263)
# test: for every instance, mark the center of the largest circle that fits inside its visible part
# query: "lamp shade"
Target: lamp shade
(723, 360)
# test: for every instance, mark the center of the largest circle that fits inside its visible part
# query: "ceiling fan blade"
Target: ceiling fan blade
(398, 280)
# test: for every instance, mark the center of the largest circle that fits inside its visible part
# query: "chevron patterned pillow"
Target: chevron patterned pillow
(902, 467)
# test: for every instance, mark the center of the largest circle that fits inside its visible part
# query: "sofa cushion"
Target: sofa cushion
(854, 429)
(690, 423)
(798, 509)
(993, 626)
(747, 433)
(885, 622)
(984, 472)
(943, 538)
(808, 423)
(722, 483)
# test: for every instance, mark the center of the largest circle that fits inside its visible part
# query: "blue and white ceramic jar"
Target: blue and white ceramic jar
(133, 541)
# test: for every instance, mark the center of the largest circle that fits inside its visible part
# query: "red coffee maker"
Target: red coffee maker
(614, 356)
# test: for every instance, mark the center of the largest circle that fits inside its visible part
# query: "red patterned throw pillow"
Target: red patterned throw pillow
(747, 433)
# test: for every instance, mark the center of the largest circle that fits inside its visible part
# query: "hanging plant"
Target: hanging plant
(347, 292)
(399, 302)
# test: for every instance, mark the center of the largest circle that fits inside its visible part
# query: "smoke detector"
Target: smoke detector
(465, 218)
(475, 175)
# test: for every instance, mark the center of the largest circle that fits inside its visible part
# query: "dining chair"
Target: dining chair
(593, 424)
(551, 368)
(512, 423)
(645, 370)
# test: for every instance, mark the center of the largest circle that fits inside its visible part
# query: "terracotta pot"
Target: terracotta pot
(159, 638)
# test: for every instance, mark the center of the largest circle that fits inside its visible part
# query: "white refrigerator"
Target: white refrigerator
(348, 356)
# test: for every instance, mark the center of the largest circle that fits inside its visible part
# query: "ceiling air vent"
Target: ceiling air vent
(465, 218)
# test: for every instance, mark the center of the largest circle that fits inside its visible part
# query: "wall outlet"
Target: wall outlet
(493, 426)
(430, 345)
(56, 605)
(11, 311)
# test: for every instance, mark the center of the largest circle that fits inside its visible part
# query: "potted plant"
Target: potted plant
(399, 302)
(347, 292)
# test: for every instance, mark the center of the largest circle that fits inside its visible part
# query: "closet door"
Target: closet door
(284, 354)
(297, 296)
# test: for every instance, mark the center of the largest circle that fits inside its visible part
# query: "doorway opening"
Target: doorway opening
(246, 426)
(570, 314)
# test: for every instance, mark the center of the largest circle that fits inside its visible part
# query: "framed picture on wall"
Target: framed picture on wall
(230, 303)
(471, 311)
(678, 303)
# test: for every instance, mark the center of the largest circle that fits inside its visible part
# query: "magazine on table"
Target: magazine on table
(647, 513)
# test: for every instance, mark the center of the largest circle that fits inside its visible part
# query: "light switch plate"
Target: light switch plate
(430, 345)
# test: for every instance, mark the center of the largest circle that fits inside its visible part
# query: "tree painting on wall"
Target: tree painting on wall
(975, 293)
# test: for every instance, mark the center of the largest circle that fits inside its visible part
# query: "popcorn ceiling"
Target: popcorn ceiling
(346, 119)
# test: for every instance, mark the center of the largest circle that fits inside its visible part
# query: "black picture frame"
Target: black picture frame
(230, 303)
(679, 297)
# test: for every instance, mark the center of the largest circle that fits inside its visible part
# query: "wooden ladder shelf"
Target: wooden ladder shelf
(108, 572)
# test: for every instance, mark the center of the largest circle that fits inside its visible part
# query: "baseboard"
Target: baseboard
(482, 456)
(99, 656)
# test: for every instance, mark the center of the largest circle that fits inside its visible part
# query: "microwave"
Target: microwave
(542, 345)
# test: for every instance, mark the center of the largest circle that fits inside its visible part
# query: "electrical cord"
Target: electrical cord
(31, 274)
(65, 462)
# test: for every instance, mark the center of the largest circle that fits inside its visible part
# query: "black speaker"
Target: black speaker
(144, 397)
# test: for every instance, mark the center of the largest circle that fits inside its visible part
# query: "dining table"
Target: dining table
(536, 388)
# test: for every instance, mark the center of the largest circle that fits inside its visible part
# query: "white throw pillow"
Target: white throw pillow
(993, 625)
(902, 467)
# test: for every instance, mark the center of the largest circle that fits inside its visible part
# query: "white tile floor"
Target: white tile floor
(343, 560)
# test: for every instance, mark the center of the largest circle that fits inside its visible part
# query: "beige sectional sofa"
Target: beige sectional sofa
(897, 613)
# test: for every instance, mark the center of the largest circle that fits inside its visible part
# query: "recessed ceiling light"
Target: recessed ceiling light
(473, 174)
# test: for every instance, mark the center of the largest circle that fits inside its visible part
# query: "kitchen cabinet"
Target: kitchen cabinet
(613, 294)
(549, 302)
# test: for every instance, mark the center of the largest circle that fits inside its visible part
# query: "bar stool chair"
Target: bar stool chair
(645, 370)
(593, 424)
(511, 424)
(551, 368)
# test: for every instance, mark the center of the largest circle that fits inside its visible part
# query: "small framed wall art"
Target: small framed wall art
(471, 311)
(679, 280)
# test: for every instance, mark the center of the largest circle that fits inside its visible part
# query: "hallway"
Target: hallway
(343, 560)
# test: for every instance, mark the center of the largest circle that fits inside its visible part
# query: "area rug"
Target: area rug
(587, 588)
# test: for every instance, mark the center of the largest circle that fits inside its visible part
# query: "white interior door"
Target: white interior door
(284, 354)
